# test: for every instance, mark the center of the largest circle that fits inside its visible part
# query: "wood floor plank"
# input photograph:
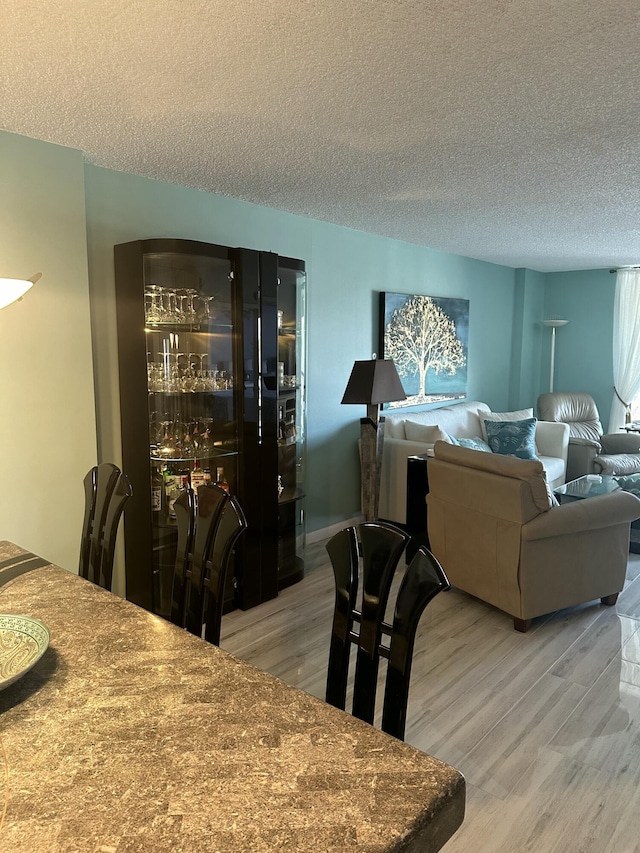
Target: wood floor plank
(544, 725)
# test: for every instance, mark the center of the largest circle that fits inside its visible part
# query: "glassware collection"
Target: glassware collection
(183, 452)
(184, 373)
(180, 305)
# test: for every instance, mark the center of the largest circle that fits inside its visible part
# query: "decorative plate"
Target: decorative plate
(23, 641)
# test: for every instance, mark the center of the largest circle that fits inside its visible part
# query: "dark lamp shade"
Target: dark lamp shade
(372, 382)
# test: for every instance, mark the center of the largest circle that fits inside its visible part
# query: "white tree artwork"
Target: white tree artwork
(426, 337)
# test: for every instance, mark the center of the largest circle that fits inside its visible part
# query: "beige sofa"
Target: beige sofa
(495, 531)
(402, 438)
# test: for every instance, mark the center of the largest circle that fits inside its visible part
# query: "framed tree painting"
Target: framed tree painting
(427, 337)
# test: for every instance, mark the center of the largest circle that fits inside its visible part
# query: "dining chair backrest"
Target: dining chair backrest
(208, 529)
(106, 490)
(373, 561)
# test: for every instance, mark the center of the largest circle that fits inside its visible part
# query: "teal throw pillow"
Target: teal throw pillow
(513, 438)
(474, 444)
(471, 443)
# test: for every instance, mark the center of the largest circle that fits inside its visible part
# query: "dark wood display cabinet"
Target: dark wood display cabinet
(211, 345)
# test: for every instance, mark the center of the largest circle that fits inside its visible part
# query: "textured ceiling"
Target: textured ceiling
(507, 130)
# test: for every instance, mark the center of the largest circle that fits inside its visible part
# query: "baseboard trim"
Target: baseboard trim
(328, 532)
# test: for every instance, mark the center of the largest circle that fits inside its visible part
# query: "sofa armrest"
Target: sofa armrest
(625, 442)
(552, 439)
(588, 514)
(581, 456)
(586, 442)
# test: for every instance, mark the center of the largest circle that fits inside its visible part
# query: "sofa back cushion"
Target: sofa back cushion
(427, 433)
(459, 419)
(579, 410)
(514, 488)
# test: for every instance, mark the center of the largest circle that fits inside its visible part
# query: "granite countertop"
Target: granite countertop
(133, 735)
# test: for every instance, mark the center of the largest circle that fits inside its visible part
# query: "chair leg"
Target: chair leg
(521, 625)
(610, 600)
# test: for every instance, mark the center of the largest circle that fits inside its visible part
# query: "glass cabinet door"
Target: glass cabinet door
(291, 420)
(190, 376)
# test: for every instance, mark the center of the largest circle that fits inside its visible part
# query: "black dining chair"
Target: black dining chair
(106, 490)
(372, 553)
(207, 532)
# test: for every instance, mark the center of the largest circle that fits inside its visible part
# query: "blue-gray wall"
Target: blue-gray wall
(346, 271)
(584, 347)
(508, 346)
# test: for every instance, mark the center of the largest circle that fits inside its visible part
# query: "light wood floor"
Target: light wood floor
(545, 726)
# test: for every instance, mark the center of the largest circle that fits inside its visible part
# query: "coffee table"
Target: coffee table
(592, 485)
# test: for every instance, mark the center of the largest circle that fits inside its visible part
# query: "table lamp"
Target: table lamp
(372, 383)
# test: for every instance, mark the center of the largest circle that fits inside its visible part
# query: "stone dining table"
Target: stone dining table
(130, 734)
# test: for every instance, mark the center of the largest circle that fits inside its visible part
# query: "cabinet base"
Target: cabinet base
(290, 572)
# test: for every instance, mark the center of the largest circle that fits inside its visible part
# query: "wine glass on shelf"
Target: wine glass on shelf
(178, 430)
(188, 444)
(200, 379)
(188, 376)
(154, 308)
(170, 306)
(189, 311)
(166, 447)
(204, 314)
(205, 448)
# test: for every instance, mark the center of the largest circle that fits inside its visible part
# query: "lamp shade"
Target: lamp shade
(554, 322)
(372, 382)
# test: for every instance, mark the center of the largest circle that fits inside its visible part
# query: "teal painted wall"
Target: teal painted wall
(528, 307)
(508, 347)
(584, 347)
(346, 271)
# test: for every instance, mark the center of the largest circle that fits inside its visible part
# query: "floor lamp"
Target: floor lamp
(554, 323)
(372, 383)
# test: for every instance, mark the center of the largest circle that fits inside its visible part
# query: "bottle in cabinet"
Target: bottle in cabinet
(157, 491)
(221, 480)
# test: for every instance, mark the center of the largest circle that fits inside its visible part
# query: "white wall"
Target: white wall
(47, 427)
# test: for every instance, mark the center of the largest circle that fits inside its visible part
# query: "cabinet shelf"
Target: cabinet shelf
(194, 328)
(291, 493)
(218, 454)
(217, 391)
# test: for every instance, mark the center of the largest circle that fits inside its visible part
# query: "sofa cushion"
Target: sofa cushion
(554, 467)
(459, 419)
(513, 438)
(520, 415)
(428, 433)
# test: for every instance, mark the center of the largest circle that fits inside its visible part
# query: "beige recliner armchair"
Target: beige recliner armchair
(590, 452)
(497, 534)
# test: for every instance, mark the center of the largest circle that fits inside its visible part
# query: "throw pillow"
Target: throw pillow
(521, 415)
(513, 438)
(474, 444)
(428, 434)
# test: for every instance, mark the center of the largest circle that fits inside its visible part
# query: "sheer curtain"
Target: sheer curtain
(626, 345)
